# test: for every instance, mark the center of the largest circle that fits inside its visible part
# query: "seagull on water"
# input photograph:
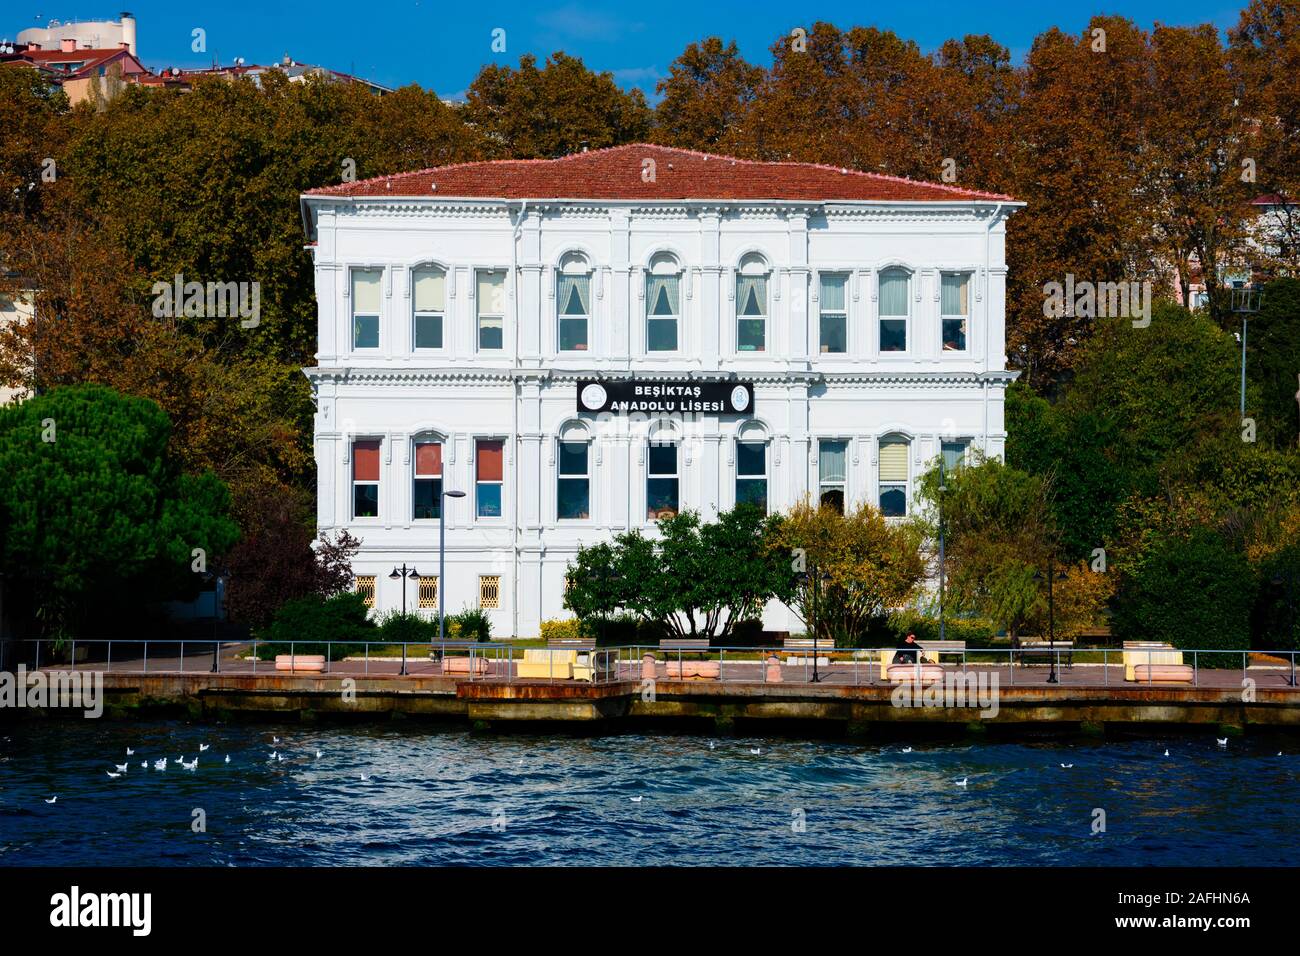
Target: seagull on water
(756, 750)
(227, 758)
(191, 765)
(962, 782)
(202, 747)
(907, 750)
(111, 775)
(121, 767)
(275, 740)
(710, 744)
(1166, 751)
(160, 764)
(1066, 766)
(279, 758)
(319, 754)
(636, 799)
(144, 765)
(364, 778)
(52, 799)
(1223, 741)
(130, 752)
(274, 754)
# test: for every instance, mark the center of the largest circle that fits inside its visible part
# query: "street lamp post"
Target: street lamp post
(442, 558)
(813, 578)
(942, 488)
(401, 574)
(1245, 302)
(1052, 575)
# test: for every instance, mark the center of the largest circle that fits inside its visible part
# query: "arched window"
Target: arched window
(954, 309)
(751, 304)
(573, 302)
(893, 475)
(426, 479)
(663, 303)
(895, 307)
(662, 487)
(428, 306)
(832, 472)
(573, 474)
(751, 466)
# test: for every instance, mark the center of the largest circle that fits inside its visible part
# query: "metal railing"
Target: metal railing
(463, 660)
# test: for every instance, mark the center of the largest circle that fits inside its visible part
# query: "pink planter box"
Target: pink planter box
(300, 662)
(1162, 673)
(695, 670)
(914, 673)
(464, 665)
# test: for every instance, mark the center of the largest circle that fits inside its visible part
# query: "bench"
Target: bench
(931, 652)
(464, 665)
(547, 663)
(806, 644)
(1154, 653)
(1047, 650)
(914, 673)
(300, 662)
(571, 643)
(691, 644)
(1163, 673)
(694, 670)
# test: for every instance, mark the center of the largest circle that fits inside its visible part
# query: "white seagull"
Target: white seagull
(111, 775)
(907, 750)
(1166, 751)
(121, 767)
(636, 799)
(160, 764)
(319, 754)
(962, 782)
(1066, 766)
(130, 752)
(273, 755)
(191, 765)
(275, 740)
(202, 747)
(364, 778)
(144, 765)
(756, 750)
(227, 758)
(52, 799)
(1223, 741)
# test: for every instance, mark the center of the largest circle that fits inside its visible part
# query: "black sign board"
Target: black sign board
(622, 396)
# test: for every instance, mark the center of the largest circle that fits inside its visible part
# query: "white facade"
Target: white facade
(461, 395)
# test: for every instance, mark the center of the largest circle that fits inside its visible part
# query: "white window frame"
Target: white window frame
(676, 443)
(881, 318)
(843, 485)
(416, 442)
(353, 315)
(752, 265)
(576, 265)
(907, 442)
(480, 315)
(663, 264)
(573, 438)
(765, 443)
(441, 316)
(969, 317)
(353, 482)
(476, 441)
(847, 275)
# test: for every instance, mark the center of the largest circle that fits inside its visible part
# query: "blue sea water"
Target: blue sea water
(437, 795)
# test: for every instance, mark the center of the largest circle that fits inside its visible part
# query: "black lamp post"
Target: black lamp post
(1245, 302)
(1052, 575)
(812, 579)
(401, 574)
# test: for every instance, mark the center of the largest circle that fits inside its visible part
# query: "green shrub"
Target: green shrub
(1195, 592)
(471, 624)
(747, 633)
(558, 629)
(409, 628)
(303, 622)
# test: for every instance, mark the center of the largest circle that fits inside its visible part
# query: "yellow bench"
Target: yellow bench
(547, 663)
(1148, 652)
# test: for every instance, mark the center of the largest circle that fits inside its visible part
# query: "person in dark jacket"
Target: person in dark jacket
(907, 651)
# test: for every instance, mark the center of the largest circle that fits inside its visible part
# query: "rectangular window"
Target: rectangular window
(365, 586)
(954, 308)
(428, 592)
(834, 315)
(661, 489)
(365, 308)
(429, 304)
(751, 313)
(893, 477)
(954, 455)
(573, 300)
(365, 479)
(489, 469)
(573, 488)
(663, 306)
(751, 473)
(489, 591)
(426, 492)
(491, 304)
(894, 287)
(832, 472)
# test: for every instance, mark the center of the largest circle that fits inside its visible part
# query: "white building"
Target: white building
(461, 308)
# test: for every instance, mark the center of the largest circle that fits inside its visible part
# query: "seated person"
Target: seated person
(908, 650)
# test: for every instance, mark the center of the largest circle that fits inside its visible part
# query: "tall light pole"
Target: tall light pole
(442, 555)
(1052, 575)
(1245, 302)
(401, 574)
(942, 489)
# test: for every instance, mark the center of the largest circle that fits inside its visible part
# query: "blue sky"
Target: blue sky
(442, 46)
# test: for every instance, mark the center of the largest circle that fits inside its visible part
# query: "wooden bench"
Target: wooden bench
(547, 663)
(689, 644)
(571, 643)
(1047, 650)
(465, 665)
(791, 644)
(314, 663)
(931, 652)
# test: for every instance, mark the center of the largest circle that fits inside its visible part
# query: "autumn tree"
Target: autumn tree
(560, 108)
(706, 96)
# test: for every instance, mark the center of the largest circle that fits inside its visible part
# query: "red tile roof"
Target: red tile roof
(617, 173)
(89, 60)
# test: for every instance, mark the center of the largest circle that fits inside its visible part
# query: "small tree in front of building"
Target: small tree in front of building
(695, 579)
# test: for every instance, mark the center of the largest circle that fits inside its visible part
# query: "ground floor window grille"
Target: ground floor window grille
(489, 591)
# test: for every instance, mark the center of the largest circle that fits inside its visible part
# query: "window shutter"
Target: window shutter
(428, 459)
(893, 462)
(489, 464)
(365, 461)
